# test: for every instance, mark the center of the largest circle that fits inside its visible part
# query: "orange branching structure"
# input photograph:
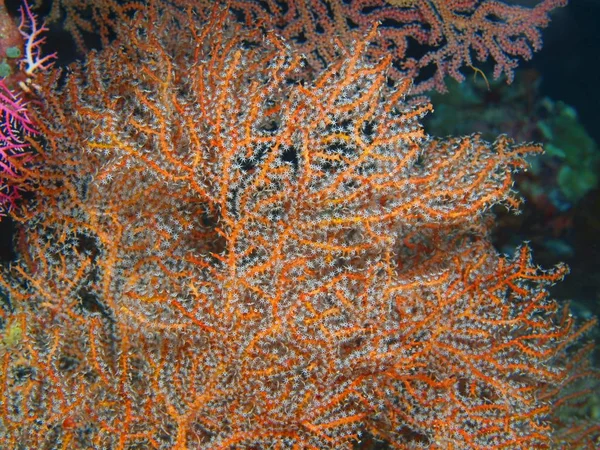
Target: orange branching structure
(85, 18)
(227, 254)
(428, 39)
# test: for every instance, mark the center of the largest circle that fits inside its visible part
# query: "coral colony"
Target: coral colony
(242, 238)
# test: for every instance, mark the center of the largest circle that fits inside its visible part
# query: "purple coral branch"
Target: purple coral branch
(15, 123)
